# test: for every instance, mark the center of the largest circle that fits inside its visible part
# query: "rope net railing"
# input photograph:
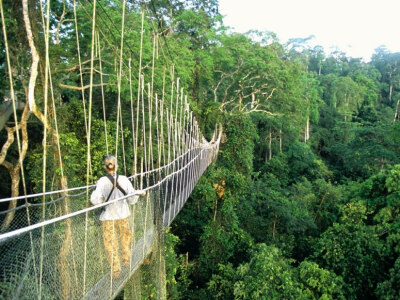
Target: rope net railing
(57, 251)
(129, 104)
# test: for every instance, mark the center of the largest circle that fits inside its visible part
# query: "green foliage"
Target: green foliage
(223, 241)
(237, 153)
(303, 162)
(220, 284)
(268, 275)
(317, 283)
(390, 289)
(353, 251)
(171, 264)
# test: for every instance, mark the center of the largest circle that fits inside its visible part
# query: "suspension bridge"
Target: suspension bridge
(51, 242)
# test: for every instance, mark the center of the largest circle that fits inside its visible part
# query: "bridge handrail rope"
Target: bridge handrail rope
(93, 185)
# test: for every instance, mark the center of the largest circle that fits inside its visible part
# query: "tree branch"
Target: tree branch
(8, 143)
(35, 56)
(80, 88)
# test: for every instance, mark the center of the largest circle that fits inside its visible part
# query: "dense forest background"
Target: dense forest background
(303, 201)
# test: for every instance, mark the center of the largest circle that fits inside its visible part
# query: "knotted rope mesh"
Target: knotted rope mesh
(65, 257)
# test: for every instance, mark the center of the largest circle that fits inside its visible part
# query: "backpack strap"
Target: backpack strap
(115, 183)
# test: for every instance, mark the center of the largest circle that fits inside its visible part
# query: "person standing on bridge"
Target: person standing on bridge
(115, 216)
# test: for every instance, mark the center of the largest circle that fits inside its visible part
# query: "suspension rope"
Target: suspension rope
(132, 117)
(123, 142)
(46, 27)
(88, 153)
(138, 91)
(119, 76)
(80, 67)
(102, 93)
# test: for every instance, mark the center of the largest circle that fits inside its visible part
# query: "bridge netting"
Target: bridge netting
(64, 257)
(51, 242)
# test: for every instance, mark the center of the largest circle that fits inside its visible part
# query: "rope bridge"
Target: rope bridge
(51, 244)
(67, 251)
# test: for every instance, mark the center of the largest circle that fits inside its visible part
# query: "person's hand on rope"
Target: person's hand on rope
(143, 194)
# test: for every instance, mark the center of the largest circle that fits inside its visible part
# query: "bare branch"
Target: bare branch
(270, 95)
(35, 57)
(14, 169)
(8, 143)
(221, 107)
(64, 12)
(73, 68)
(263, 111)
(223, 77)
(80, 88)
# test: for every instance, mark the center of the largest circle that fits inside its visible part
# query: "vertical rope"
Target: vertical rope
(151, 100)
(150, 163)
(176, 118)
(170, 112)
(122, 141)
(120, 75)
(191, 152)
(162, 117)
(175, 145)
(145, 164)
(132, 117)
(80, 67)
(184, 149)
(102, 93)
(158, 136)
(174, 165)
(180, 147)
(144, 127)
(88, 153)
(170, 122)
(46, 79)
(138, 91)
(167, 171)
(153, 64)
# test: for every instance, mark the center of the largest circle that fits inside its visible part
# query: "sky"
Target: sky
(356, 27)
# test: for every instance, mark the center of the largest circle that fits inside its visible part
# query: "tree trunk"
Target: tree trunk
(34, 65)
(215, 209)
(270, 144)
(396, 114)
(280, 140)
(14, 170)
(15, 180)
(307, 130)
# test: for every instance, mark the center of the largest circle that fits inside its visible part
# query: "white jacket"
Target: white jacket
(117, 210)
